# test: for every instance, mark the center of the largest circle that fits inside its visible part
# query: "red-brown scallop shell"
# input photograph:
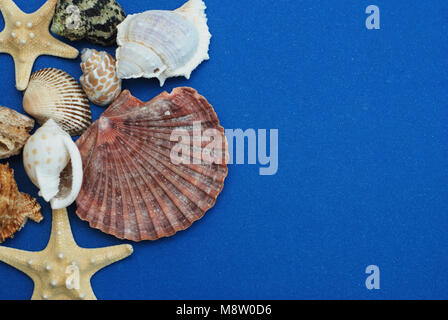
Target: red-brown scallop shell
(132, 189)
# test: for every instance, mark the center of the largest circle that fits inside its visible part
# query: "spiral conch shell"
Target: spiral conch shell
(54, 94)
(162, 44)
(99, 81)
(53, 163)
(15, 207)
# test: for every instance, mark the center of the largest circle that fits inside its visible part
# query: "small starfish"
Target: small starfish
(27, 36)
(58, 269)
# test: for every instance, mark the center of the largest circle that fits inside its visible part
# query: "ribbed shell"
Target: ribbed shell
(131, 188)
(54, 94)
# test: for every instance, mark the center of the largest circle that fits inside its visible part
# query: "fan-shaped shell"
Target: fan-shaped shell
(99, 80)
(132, 188)
(162, 44)
(54, 94)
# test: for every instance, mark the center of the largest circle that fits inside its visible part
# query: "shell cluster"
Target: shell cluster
(93, 20)
(54, 94)
(162, 44)
(14, 132)
(99, 80)
(53, 163)
(15, 207)
(132, 188)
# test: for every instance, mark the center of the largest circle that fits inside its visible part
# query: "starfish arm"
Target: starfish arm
(103, 257)
(46, 12)
(58, 48)
(10, 10)
(23, 71)
(61, 231)
(3, 47)
(21, 260)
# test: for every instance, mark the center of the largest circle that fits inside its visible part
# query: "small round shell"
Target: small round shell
(99, 80)
(54, 94)
(93, 20)
(53, 163)
(162, 44)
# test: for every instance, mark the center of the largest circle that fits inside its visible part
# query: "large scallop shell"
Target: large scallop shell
(99, 80)
(54, 94)
(133, 189)
(162, 44)
(15, 207)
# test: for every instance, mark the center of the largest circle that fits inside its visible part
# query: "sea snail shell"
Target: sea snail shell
(99, 80)
(53, 163)
(163, 44)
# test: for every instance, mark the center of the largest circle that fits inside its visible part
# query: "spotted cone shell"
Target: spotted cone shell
(132, 188)
(99, 80)
(54, 94)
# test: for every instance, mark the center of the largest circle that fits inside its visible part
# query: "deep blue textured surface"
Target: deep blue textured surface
(363, 173)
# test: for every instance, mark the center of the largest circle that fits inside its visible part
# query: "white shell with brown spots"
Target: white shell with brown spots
(99, 80)
(46, 157)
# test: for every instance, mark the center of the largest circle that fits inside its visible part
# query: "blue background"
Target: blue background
(363, 162)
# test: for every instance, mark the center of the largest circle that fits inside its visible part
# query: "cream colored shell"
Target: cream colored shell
(99, 80)
(162, 44)
(53, 163)
(14, 132)
(54, 94)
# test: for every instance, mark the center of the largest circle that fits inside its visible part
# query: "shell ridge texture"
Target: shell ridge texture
(132, 189)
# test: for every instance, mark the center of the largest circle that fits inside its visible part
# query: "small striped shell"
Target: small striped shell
(54, 94)
(99, 80)
(133, 187)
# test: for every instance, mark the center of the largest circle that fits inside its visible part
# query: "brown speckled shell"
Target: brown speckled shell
(131, 187)
(99, 80)
(15, 207)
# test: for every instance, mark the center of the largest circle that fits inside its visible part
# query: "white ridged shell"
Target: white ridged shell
(54, 94)
(162, 44)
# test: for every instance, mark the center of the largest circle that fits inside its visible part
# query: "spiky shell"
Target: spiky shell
(94, 20)
(99, 80)
(54, 94)
(162, 44)
(15, 207)
(14, 132)
(132, 188)
(53, 163)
